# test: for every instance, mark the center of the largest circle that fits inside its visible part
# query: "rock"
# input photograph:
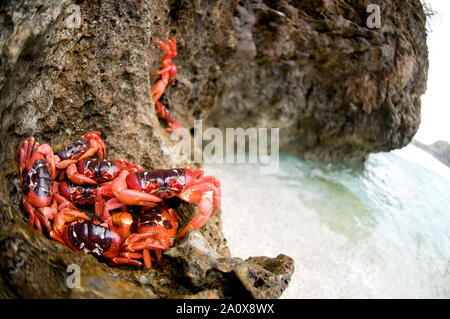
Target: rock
(257, 277)
(334, 87)
(439, 150)
(62, 75)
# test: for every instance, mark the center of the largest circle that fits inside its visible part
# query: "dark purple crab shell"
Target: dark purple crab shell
(90, 237)
(98, 170)
(37, 179)
(80, 194)
(163, 183)
(154, 217)
(74, 150)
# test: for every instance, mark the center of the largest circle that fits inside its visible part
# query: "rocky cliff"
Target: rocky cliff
(334, 87)
(71, 68)
(439, 149)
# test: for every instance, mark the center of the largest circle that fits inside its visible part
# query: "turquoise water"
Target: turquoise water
(379, 229)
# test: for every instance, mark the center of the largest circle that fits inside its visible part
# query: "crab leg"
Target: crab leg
(167, 74)
(158, 253)
(205, 192)
(132, 255)
(103, 191)
(131, 196)
(198, 221)
(149, 243)
(47, 151)
(165, 114)
(109, 206)
(93, 148)
(65, 163)
(138, 237)
(147, 258)
(62, 201)
(32, 218)
(25, 151)
(160, 87)
(63, 217)
(77, 178)
(162, 71)
(145, 242)
(171, 51)
(126, 260)
(40, 215)
(145, 246)
(134, 197)
(96, 143)
(129, 166)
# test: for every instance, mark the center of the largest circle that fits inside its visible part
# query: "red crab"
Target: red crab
(157, 227)
(81, 149)
(92, 171)
(97, 171)
(75, 193)
(145, 188)
(37, 171)
(168, 69)
(167, 77)
(77, 231)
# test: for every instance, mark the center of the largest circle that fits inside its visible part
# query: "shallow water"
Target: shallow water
(379, 229)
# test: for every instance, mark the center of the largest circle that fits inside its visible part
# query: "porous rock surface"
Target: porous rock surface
(314, 69)
(63, 75)
(334, 87)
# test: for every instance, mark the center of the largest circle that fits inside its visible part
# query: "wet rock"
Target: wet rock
(266, 277)
(36, 267)
(97, 283)
(204, 294)
(256, 277)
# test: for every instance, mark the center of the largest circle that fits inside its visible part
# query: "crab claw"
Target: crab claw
(123, 222)
(63, 217)
(95, 144)
(77, 178)
(170, 51)
(130, 196)
(206, 192)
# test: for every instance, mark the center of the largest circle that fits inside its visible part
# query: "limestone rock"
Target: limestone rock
(68, 69)
(335, 87)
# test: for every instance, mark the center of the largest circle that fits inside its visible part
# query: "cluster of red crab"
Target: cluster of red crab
(53, 184)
